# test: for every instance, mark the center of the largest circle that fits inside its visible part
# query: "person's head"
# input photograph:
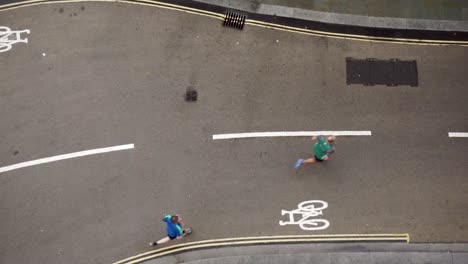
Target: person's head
(175, 219)
(331, 139)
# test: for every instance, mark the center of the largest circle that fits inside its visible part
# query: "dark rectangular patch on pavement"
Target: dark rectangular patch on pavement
(391, 72)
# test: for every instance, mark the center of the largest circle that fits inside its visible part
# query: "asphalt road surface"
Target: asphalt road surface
(98, 74)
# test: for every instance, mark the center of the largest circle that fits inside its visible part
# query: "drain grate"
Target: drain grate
(386, 72)
(234, 20)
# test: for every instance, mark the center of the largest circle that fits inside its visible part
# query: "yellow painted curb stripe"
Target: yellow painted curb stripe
(31, 3)
(350, 36)
(19, 3)
(136, 2)
(185, 8)
(249, 22)
(406, 236)
(263, 240)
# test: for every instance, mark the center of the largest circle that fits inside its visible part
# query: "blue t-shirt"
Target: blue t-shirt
(173, 230)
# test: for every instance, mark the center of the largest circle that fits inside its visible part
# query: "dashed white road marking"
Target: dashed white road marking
(66, 156)
(292, 134)
(458, 134)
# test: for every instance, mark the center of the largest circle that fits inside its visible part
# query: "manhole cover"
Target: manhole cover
(386, 72)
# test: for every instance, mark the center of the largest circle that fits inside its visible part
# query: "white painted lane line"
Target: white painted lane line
(458, 134)
(292, 134)
(66, 156)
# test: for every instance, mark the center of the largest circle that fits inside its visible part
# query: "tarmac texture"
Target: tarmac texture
(98, 74)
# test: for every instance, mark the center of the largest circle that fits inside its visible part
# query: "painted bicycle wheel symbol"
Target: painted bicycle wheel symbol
(305, 215)
(9, 37)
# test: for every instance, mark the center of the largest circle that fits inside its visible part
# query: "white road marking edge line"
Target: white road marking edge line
(65, 156)
(458, 134)
(291, 134)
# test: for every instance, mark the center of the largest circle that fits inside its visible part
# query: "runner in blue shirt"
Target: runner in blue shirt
(174, 227)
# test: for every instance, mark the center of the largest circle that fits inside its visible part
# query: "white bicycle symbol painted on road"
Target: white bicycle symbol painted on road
(306, 213)
(9, 37)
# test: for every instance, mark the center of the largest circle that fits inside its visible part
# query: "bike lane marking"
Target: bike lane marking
(66, 156)
(9, 37)
(458, 134)
(291, 134)
(307, 211)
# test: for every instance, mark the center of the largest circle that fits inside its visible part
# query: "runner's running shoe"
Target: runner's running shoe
(298, 163)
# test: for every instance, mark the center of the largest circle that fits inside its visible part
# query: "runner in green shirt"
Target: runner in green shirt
(322, 150)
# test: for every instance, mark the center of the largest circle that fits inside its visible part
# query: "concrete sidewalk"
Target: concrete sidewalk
(414, 9)
(445, 15)
(339, 253)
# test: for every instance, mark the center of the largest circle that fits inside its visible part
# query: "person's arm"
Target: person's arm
(181, 223)
(329, 152)
(317, 137)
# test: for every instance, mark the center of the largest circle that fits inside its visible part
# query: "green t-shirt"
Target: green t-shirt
(322, 147)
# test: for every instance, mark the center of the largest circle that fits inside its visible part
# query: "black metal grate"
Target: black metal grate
(234, 20)
(386, 72)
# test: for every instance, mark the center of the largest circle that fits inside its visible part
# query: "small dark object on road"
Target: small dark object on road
(191, 95)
